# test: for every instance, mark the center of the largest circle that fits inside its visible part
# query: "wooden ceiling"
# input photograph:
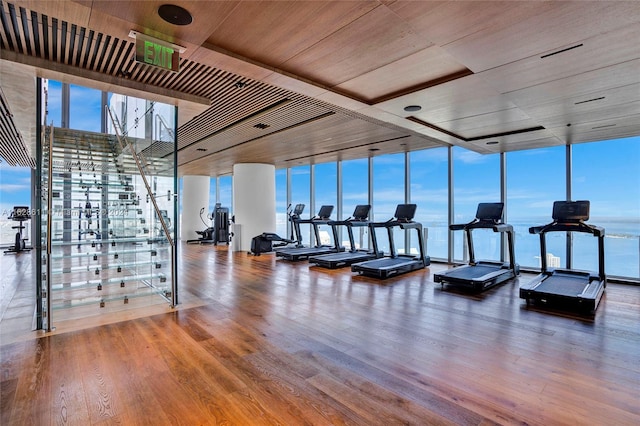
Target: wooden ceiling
(331, 79)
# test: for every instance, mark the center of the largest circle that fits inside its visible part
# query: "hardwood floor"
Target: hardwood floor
(266, 341)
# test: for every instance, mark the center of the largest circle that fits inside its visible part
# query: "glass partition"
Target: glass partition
(109, 212)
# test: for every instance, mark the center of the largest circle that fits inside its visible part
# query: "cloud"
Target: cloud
(470, 157)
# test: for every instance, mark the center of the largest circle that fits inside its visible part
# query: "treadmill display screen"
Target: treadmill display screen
(490, 211)
(405, 212)
(571, 211)
(325, 212)
(298, 209)
(361, 212)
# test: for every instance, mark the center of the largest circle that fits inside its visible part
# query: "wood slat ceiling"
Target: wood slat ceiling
(335, 75)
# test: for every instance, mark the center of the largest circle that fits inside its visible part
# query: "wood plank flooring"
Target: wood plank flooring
(276, 342)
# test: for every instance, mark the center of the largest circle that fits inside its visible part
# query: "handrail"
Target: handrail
(49, 220)
(167, 233)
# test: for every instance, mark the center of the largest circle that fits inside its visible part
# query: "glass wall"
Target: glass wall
(14, 191)
(281, 204)
(535, 179)
(608, 175)
(326, 194)
(355, 191)
(85, 108)
(388, 192)
(430, 191)
(225, 196)
(476, 180)
(301, 194)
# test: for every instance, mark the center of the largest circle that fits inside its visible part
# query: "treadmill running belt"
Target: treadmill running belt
(470, 272)
(390, 261)
(563, 285)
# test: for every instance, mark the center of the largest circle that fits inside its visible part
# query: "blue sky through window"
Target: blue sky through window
(607, 173)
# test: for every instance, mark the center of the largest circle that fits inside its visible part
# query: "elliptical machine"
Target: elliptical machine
(208, 235)
(264, 242)
(19, 214)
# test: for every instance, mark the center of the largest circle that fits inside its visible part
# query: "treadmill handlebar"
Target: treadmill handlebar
(482, 224)
(596, 231)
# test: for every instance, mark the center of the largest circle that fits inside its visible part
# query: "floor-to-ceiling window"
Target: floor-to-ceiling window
(430, 191)
(355, 191)
(476, 180)
(326, 193)
(85, 108)
(213, 195)
(281, 203)
(225, 197)
(388, 192)
(608, 175)
(301, 194)
(535, 179)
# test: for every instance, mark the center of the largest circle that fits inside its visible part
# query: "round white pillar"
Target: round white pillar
(254, 202)
(195, 195)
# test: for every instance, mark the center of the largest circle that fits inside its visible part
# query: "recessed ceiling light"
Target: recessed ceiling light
(240, 85)
(492, 143)
(201, 149)
(261, 126)
(374, 149)
(412, 108)
(175, 15)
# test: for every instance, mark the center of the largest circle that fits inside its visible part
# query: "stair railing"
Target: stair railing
(120, 136)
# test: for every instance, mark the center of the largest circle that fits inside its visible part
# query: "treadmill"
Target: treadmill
(568, 287)
(483, 274)
(346, 258)
(299, 253)
(394, 264)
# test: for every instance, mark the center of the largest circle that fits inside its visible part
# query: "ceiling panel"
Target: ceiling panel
(405, 74)
(567, 60)
(547, 26)
(284, 28)
(374, 40)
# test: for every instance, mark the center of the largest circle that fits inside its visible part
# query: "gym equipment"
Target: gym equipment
(483, 274)
(299, 253)
(346, 258)
(263, 243)
(19, 214)
(568, 287)
(206, 236)
(219, 232)
(395, 264)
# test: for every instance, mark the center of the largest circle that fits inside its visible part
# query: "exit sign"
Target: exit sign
(157, 53)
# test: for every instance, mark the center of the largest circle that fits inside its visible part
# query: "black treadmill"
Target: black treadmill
(346, 258)
(482, 274)
(299, 253)
(395, 264)
(568, 287)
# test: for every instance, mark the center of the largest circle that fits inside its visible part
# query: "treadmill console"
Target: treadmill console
(570, 211)
(405, 212)
(297, 210)
(361, 212)
(490, 212)
(325, 212)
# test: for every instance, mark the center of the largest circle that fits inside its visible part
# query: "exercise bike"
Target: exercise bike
(19, 214)
(208, 235)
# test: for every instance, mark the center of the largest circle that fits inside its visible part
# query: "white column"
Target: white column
(195, 195)
(254, 202)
